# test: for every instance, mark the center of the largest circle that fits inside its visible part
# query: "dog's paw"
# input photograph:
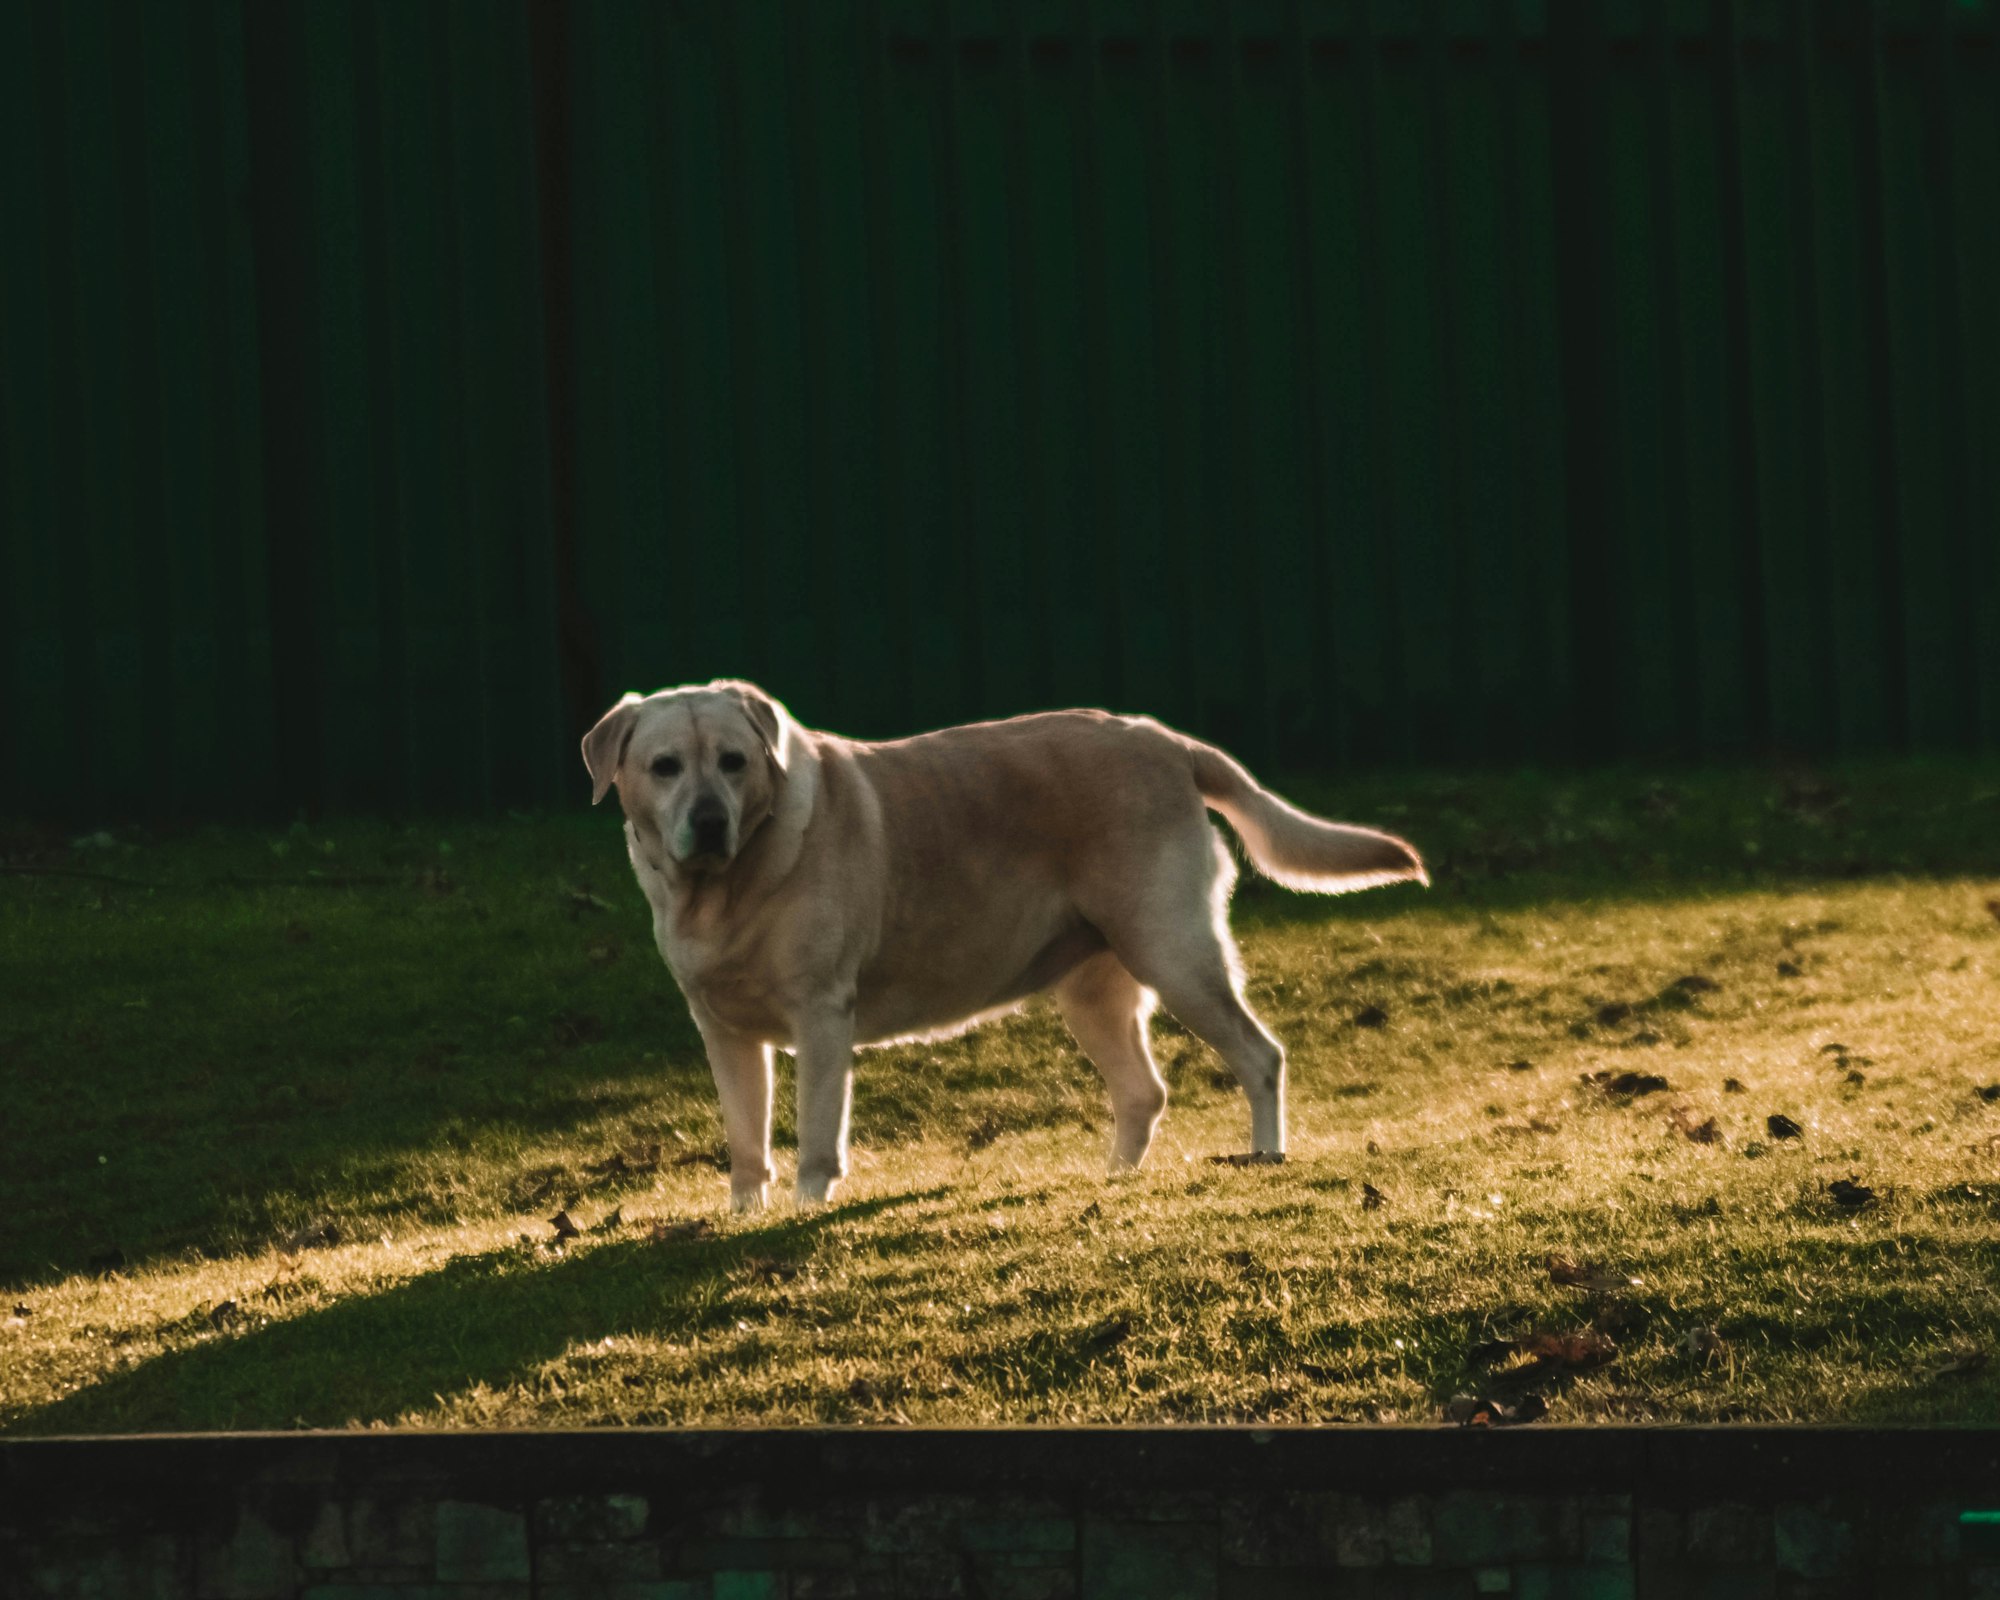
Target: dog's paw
(813, 1192)
(751, 1197)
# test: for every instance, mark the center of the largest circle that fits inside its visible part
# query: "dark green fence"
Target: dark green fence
(388, 385)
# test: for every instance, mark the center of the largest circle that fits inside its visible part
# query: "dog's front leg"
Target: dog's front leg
(826, 1094)
(742, 1069)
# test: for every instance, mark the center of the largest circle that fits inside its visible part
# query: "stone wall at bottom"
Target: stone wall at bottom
(1205, 1514)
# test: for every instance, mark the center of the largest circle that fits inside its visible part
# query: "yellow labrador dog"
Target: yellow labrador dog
(814, 893)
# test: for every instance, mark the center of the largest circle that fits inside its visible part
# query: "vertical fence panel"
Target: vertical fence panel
(1975, 113)
(1921, 293)
(529, 755)
(107, 468)
(184, 395)
(1490, 670)
(1639, 288)
(1795, 672)
(39, 759)
(1129, 259)
(996, 515)
(1271, 539)
(648, 470)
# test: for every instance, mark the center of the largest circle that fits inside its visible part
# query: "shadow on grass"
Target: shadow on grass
(208, 1069)
(484, 1319)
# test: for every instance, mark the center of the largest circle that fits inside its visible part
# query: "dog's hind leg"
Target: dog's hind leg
(1106, 1008)
(1177, 942)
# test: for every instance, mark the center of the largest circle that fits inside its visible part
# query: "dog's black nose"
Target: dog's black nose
(710, 824)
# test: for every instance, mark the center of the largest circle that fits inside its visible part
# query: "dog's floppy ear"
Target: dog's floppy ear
(771, 720)
(604, 746)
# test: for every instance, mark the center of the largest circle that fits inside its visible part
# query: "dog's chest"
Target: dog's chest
(725, 974)
(732, 987)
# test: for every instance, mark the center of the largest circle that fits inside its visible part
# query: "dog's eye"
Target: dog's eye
(730, 761)
(666, 767)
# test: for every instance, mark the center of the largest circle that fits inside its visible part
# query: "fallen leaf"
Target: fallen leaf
(1371, 1017)
(1090, 1212)
(1836, 1048)
(1704, 1344)
(1627, 1085)
(688, 1228)
(318, 1235)
(1851, 1194)
(1572, 1275)
(1790, 969)
(1989, 1091)
(1576, 1352)
(1251, 1158)
(565, 1228)
(1372, 1198)
(1482, 1411)
(1733, 1086)
(1781, 1126)
(1108, 1332)
(1855, 1079)
(24, 1309)
(1690, 1122)
(1520, 1066)
(632, 1162)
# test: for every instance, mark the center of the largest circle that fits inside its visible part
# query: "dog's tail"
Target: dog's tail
(1291, 847)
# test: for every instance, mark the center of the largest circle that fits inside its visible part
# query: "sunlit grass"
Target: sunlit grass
(428, 1068)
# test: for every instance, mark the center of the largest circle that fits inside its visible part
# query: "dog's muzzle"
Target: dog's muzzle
(708, 826)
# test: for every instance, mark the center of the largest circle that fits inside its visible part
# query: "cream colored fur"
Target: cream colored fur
(844, 893)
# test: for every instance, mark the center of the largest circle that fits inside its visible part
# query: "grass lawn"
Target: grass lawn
(284, 1131)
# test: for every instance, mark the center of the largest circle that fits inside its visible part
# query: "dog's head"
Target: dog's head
(697, 769)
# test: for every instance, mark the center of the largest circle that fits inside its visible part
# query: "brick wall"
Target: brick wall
(1207, 1514)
